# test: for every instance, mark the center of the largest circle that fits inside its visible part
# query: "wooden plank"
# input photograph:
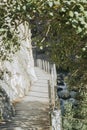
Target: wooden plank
(32, 112)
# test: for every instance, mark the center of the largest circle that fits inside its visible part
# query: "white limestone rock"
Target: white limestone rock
(19, 73)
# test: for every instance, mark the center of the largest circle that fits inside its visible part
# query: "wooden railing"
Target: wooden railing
(54, 104)
(51, 69)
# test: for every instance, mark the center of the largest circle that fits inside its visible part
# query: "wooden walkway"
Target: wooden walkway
(32, 112)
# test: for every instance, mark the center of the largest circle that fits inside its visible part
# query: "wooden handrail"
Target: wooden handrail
(54, 105)
(51, 69)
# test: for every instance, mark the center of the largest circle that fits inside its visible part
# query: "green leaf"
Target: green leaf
(81, 8)
(24, 7)
(74, 21)
(50, 4)
(71, 14)
(2, 29)
(63, 9)
(85, 13)
(74, 26)
(79, 30)
(56, 2)
(86, 25)
(51, 13)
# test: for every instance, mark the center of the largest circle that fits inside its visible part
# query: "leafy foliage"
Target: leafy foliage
(59, 25)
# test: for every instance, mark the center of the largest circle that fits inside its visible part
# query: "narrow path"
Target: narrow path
(32, 113)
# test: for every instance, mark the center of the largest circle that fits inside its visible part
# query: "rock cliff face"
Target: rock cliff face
(19, 72)
(7, 110)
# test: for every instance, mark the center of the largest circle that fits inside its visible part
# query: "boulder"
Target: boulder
(61, 86)
(62, 105)
(64, 94)
(73, 94)
(6, 108)
(74, 102)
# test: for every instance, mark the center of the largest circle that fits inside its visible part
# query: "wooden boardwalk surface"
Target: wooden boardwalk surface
(32, 112)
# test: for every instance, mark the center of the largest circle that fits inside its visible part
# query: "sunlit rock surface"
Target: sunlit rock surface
(19, 72)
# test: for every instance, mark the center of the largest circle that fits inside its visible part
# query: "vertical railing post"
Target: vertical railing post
(56, 97)
(48, 67)
(50, 104)
(52, 85)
